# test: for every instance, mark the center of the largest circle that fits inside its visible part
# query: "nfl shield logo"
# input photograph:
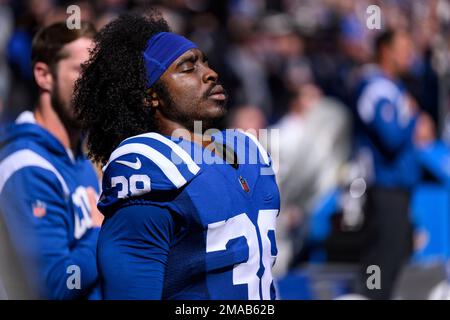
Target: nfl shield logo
(244, 184)
(39, 209)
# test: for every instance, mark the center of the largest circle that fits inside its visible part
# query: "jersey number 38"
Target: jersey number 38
(220, 233)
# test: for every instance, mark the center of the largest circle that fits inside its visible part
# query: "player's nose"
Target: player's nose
(210, 75)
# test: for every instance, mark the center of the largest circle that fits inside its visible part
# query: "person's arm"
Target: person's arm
(35, 210)
(132, 252)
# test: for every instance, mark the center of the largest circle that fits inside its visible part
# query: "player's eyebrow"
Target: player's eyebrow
(189, 57)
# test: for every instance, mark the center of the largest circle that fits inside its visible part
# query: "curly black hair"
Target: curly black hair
(109, 97)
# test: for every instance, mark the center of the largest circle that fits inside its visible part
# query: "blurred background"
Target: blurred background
(361, 99)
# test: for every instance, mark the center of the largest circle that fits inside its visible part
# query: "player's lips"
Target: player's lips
(217, 93)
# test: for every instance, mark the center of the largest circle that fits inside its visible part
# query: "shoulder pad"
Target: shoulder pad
(146, 163)
(247, 148)
(253, 148)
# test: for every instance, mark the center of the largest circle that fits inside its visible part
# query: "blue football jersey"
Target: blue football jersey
(182, 223)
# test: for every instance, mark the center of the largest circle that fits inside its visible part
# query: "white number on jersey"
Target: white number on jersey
(220, 233)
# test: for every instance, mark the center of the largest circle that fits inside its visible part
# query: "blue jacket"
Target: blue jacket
(386, 132)
(44, 204)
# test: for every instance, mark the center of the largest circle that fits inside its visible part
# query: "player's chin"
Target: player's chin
(216, 107)
(212, 115)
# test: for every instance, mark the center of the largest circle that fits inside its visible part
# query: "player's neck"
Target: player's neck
(47, 118)
(174, 129)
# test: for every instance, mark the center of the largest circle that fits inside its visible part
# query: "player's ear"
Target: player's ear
(43, 76)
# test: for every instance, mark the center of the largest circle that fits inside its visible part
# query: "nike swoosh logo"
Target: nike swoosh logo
(133, 165)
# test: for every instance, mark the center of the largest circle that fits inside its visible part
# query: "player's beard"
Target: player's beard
(65, 112)
(172, 112)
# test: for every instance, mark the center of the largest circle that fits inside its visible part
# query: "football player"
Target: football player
(185, 218)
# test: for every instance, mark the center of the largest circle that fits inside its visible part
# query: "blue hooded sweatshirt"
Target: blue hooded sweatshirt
(44, 203)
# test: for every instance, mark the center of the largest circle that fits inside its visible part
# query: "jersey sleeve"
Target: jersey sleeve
(34, 205)
(149, 163)
(133, 252)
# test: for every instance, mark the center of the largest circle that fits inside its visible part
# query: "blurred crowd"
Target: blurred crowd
(294, 65)
(266, 51)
